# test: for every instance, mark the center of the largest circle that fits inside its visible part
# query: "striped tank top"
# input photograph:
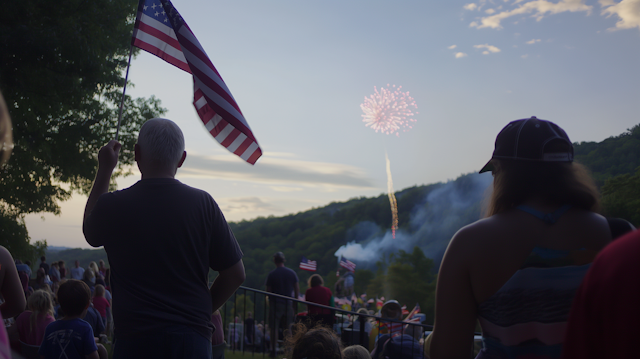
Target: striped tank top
(527, 317)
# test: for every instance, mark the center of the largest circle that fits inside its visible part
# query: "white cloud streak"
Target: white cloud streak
(470, 7)
(460, 55)
(532, 41)
(489, 49)
(451, 47)
(538, 8)
(628, 12)
(283, 171)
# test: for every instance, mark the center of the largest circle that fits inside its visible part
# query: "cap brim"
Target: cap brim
(488, 167)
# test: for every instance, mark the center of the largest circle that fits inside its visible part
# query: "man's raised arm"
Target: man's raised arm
(107, 161)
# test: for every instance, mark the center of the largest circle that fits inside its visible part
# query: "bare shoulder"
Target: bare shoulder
(473, 238)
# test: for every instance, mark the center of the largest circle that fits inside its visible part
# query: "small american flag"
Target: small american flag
(349, 265)
(413, 312)
(306, 264)
(160, 30)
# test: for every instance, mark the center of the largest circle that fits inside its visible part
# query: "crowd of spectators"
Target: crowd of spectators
(45, 305)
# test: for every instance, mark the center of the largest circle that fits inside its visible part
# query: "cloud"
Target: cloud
(460, 55)
(247, 204)
(539, 8)
(532, 41)
(628, 12)
(525, 56)
(470, 7)
(489, 49)
(489, 11)
(451, 47)
(284, 171)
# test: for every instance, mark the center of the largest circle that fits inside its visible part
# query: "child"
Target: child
(70, 337)
(32, 323)
(101, 303)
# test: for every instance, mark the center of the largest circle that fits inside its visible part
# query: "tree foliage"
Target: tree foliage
(408, 278)
(61, 66)
(614, 156)
(621, 197)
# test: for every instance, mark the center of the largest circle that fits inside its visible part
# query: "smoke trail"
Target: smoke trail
(392, 199)
(446, 208)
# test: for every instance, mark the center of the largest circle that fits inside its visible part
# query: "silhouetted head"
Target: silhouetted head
(317, 343)
(74, 297)
(160, 148)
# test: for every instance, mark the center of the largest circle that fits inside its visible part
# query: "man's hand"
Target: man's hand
(107, 161)
(108, 156)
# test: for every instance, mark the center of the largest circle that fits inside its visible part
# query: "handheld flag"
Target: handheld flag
(347, 264)
(161, 31)
(308, 265)
(413, 312)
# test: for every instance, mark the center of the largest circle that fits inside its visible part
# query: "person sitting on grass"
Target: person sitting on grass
(71, 337)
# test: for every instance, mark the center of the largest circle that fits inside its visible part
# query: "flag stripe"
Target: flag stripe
(166, 57)
(230, 138)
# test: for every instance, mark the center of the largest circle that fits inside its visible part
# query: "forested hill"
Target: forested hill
(614, 156)
(428, 216)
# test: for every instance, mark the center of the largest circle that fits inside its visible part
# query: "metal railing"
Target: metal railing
(352, 327)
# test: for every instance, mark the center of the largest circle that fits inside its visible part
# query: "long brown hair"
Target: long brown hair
(556, 182)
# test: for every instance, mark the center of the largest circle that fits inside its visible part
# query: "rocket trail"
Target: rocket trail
(392, 198)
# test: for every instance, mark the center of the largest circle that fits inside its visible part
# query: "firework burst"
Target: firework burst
(389, 110)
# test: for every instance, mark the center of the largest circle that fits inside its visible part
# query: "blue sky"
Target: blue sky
(299, 71)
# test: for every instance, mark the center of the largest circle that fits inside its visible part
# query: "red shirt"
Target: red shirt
(320, 295)
(101, 305)
(604, 318)
(23, 324)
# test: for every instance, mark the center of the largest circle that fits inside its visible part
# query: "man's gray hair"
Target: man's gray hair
(161, 142)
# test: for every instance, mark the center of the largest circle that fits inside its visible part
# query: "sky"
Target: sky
(299, 70)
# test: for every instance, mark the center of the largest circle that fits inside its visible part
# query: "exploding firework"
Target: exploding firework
(389, 110)
(392, 199)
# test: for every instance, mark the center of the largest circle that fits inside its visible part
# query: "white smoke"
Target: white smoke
(433, 222)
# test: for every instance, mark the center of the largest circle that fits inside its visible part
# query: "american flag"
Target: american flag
(413, 312)
(349, 265)
(306, 264)
(160, 30)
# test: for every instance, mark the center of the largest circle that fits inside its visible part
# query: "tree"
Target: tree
(61, 67)
(621, 197)
(408, 279)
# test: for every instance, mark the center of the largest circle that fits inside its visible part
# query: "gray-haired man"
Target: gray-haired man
(161, 237)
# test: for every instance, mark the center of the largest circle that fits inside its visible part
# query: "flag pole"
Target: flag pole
(124, 89)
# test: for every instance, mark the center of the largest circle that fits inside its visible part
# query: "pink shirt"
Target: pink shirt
(28, 336)
(101, 304)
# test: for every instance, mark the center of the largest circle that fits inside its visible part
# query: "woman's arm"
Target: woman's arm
(456, 309)
(11, 290)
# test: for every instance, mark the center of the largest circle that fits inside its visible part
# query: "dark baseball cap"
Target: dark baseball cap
(532, 139)
(279, 255)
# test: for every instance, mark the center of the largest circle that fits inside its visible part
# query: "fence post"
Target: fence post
(363, 337)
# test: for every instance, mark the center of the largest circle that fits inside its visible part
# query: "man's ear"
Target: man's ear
(136, 151)
(184, 157)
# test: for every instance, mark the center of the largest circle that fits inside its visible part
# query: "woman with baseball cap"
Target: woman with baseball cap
(516, 271)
